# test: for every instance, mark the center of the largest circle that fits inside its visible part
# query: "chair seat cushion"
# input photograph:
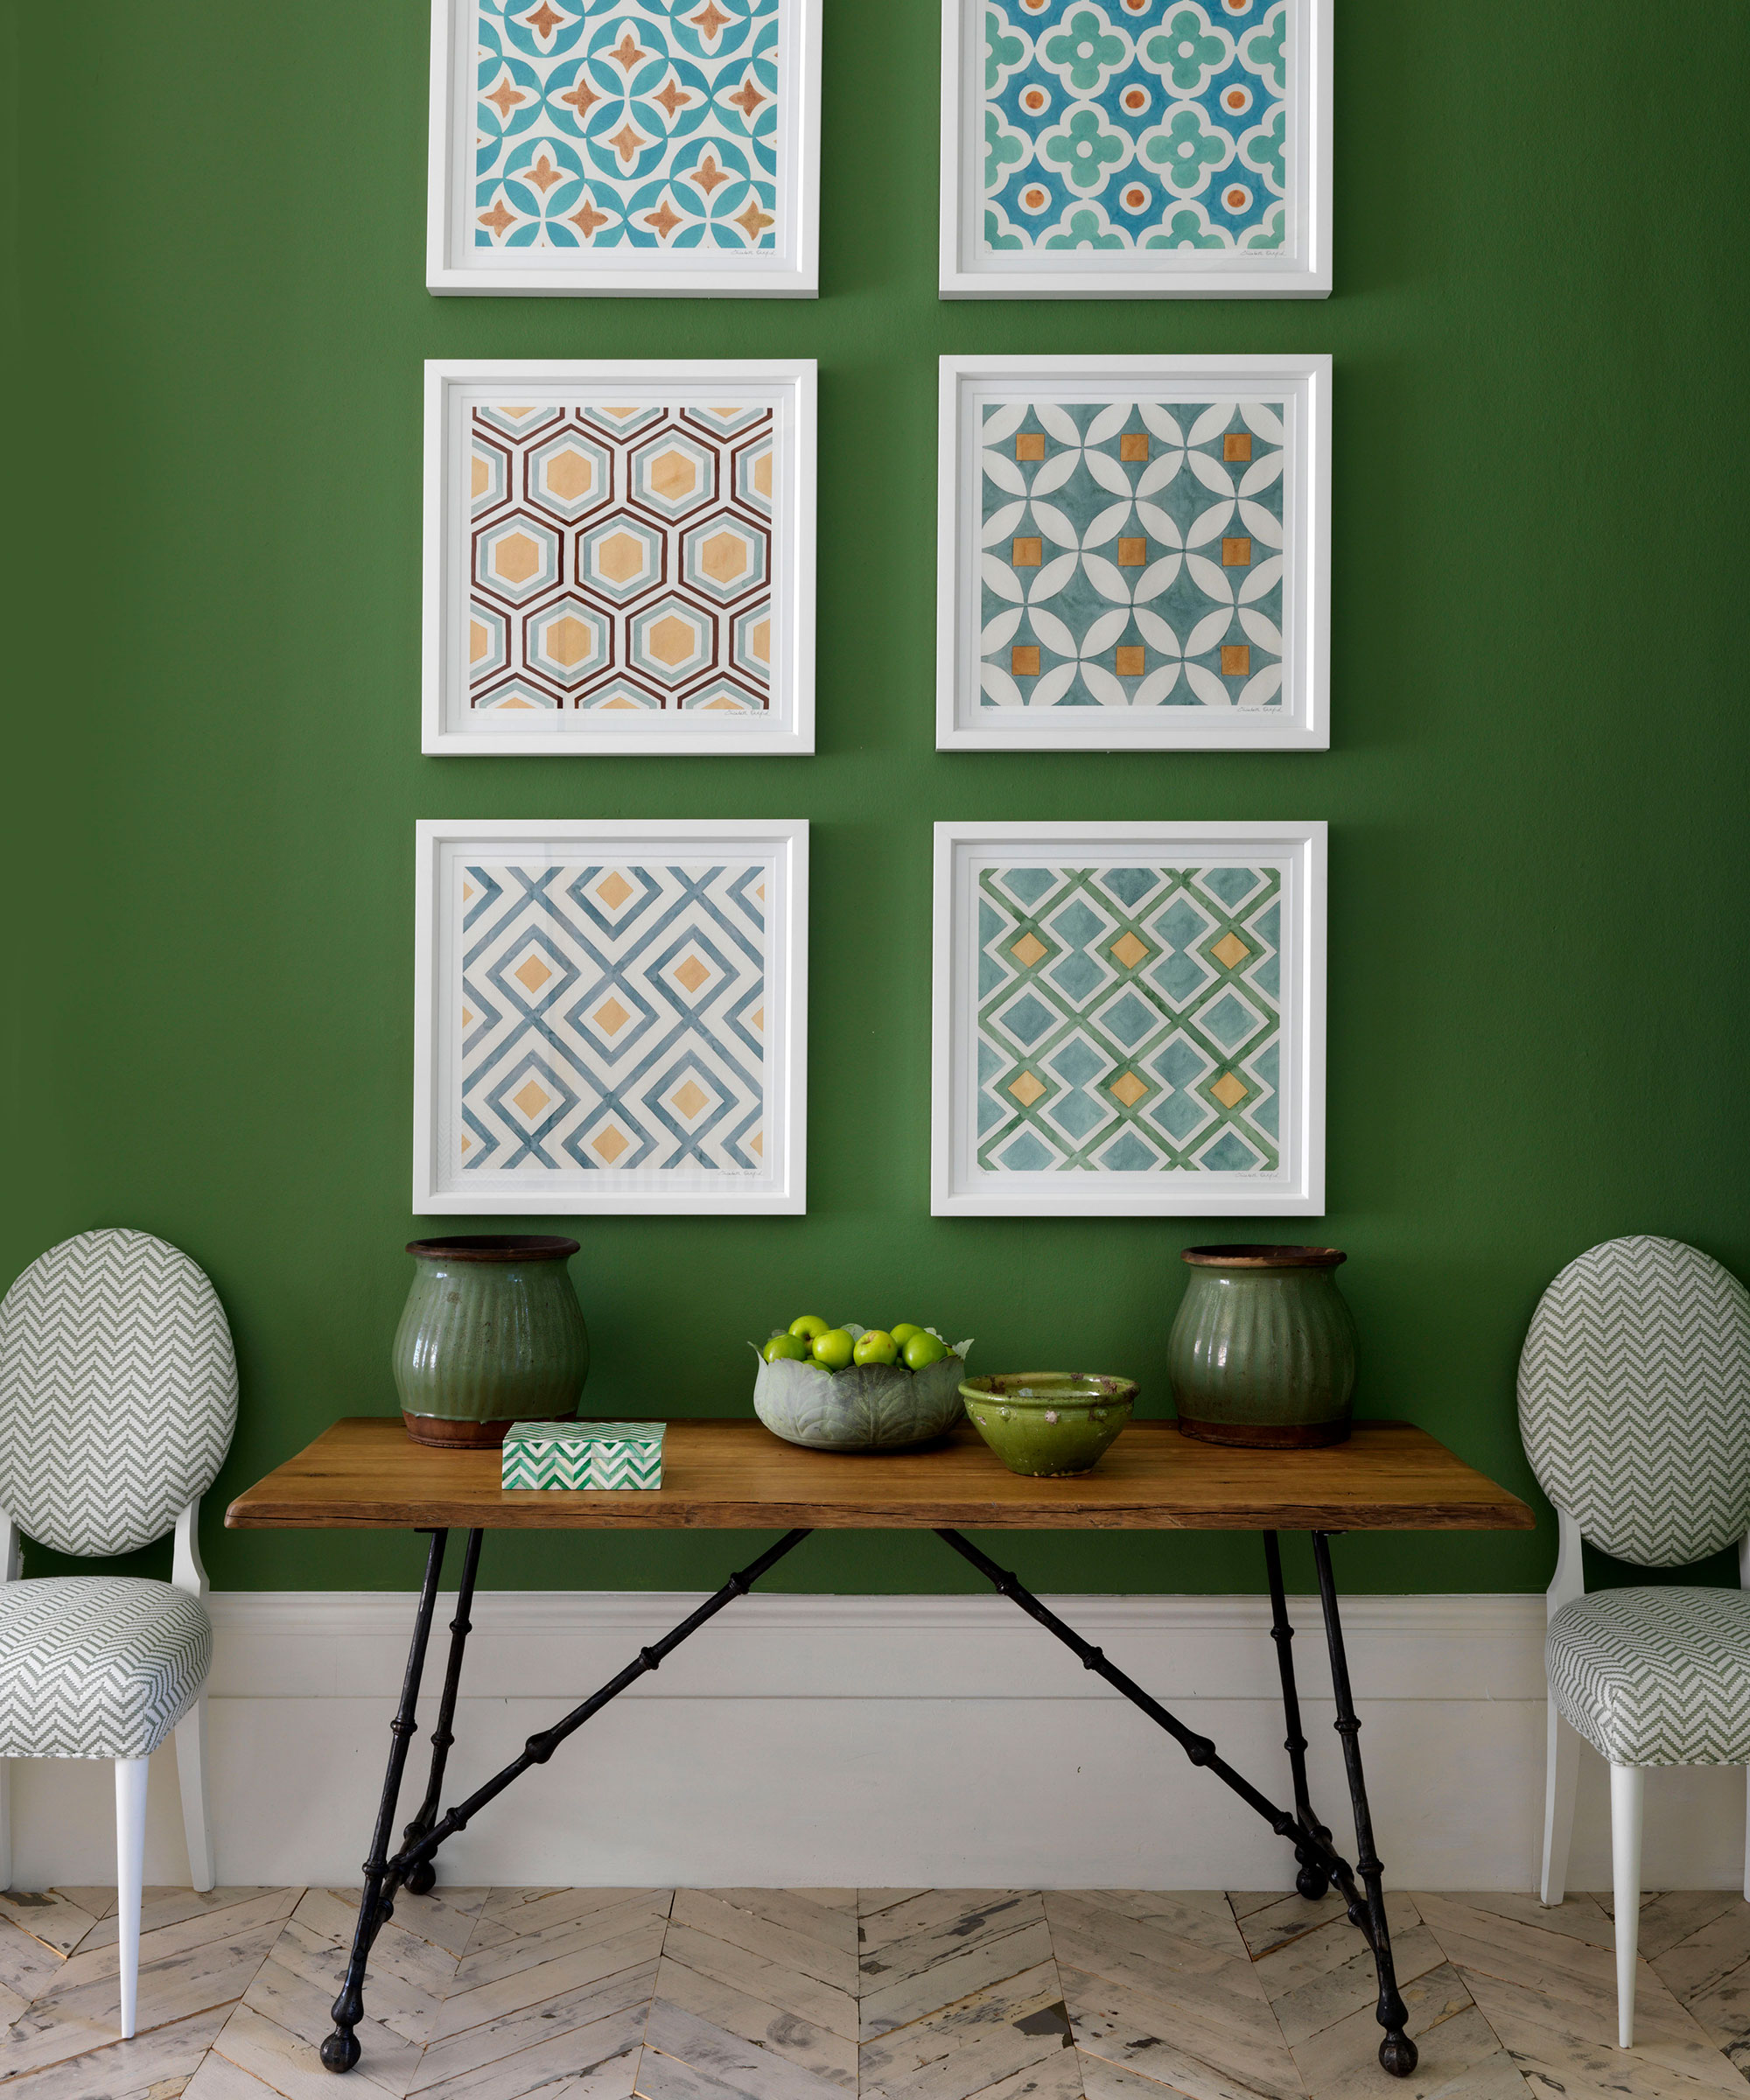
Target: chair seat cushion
(1655, 1676)
(97, 1665)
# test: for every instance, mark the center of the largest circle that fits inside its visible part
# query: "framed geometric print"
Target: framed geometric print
(611, 1017)
(665, 147)
(1130, 1020)
(1132, 554)
(620, 557)
(1135, 149)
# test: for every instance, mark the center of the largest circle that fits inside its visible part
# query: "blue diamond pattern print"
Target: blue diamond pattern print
(613, 1018)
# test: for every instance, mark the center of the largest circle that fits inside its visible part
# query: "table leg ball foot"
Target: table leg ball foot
(1312, 1884)
(1397, 2055)
(421, 1880)
(340, 2050)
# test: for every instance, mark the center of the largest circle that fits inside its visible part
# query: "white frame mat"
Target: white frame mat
(454, 264)
(971, 387)
(959, 1185)
(451, 725)
(566, 958)
(1301, 269)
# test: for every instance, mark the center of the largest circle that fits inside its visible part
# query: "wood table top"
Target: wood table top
(365, 1474)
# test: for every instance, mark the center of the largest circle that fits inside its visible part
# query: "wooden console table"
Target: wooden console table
(364, 1473)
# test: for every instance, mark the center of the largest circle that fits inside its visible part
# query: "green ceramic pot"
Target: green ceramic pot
(492, 1333)
(1264, 1349)
(1047, 1424)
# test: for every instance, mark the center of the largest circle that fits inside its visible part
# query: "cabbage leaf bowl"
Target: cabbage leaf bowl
(867, 1407)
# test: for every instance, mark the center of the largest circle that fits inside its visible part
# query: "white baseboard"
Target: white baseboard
(877, 1741)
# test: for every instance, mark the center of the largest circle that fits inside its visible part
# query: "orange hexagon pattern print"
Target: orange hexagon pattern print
(621, 556)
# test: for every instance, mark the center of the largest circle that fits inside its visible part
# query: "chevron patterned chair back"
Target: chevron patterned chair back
(1635, 1401)
(118, 1397)
(118, 1392)
(1634, 1408)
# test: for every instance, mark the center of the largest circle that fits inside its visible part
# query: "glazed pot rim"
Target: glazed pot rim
(494, 1247)
(1263, 1257)
(1106, 1389)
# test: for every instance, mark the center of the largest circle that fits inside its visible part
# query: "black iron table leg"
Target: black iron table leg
(383, 1875)
(377, 1902)
(1310, 1840)
(1397, 2053)
(1313, 1882)
(1315, 1876)
(419, 1880)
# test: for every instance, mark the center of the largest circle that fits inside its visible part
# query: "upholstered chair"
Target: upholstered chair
(118, 1395)
(1634, 1406)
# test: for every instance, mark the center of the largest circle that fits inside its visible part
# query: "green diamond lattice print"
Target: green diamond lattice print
(1131, 554)
(1129, 1019)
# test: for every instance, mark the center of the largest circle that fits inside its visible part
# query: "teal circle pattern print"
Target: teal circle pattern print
(1131, 554)
(1129, 1019)
(626, 124)
(1136, 125)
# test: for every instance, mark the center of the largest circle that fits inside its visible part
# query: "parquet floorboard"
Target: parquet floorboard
(869, 1994)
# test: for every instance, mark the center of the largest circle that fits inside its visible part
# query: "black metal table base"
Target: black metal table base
(1320, 1865)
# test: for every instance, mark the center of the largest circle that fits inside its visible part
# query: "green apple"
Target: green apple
(809, 1326)
(834, 1348)
(922, 1349)
(877, 1347)
(904, 1331)
(791, 1348)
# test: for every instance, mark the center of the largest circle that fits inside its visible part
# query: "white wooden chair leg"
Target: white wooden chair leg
(11, 1570)
(130, 1863)
(191, 1772)
(1561, 1777)
(1626, 1787)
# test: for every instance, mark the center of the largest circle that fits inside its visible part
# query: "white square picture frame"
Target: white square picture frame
(1133, 553)
(1128, 1020)
(1135, 149)
(619, 557)
(611, 147)
(611, 1018)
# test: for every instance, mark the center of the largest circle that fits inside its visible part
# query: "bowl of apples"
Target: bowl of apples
(855, 1388)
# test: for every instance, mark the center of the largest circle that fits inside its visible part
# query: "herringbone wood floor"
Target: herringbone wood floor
(893, 1993)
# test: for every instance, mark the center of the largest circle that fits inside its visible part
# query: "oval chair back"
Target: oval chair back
(118, 1392)
(1635, 1400)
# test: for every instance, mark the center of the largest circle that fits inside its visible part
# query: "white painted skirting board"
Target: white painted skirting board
(877, 1741)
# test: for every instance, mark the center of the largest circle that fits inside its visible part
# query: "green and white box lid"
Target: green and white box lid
(585, 1433)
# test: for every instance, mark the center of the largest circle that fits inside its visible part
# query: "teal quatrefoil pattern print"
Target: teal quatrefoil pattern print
(1129, 1019)
(609, 124)
(1135, 124)
(1131, 554)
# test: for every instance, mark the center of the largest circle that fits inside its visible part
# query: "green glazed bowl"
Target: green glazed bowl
(1047, 1424)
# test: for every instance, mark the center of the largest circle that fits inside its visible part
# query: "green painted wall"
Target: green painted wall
(1536, 792)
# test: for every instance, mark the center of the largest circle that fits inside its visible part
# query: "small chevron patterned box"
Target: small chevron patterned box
(583, 1454)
